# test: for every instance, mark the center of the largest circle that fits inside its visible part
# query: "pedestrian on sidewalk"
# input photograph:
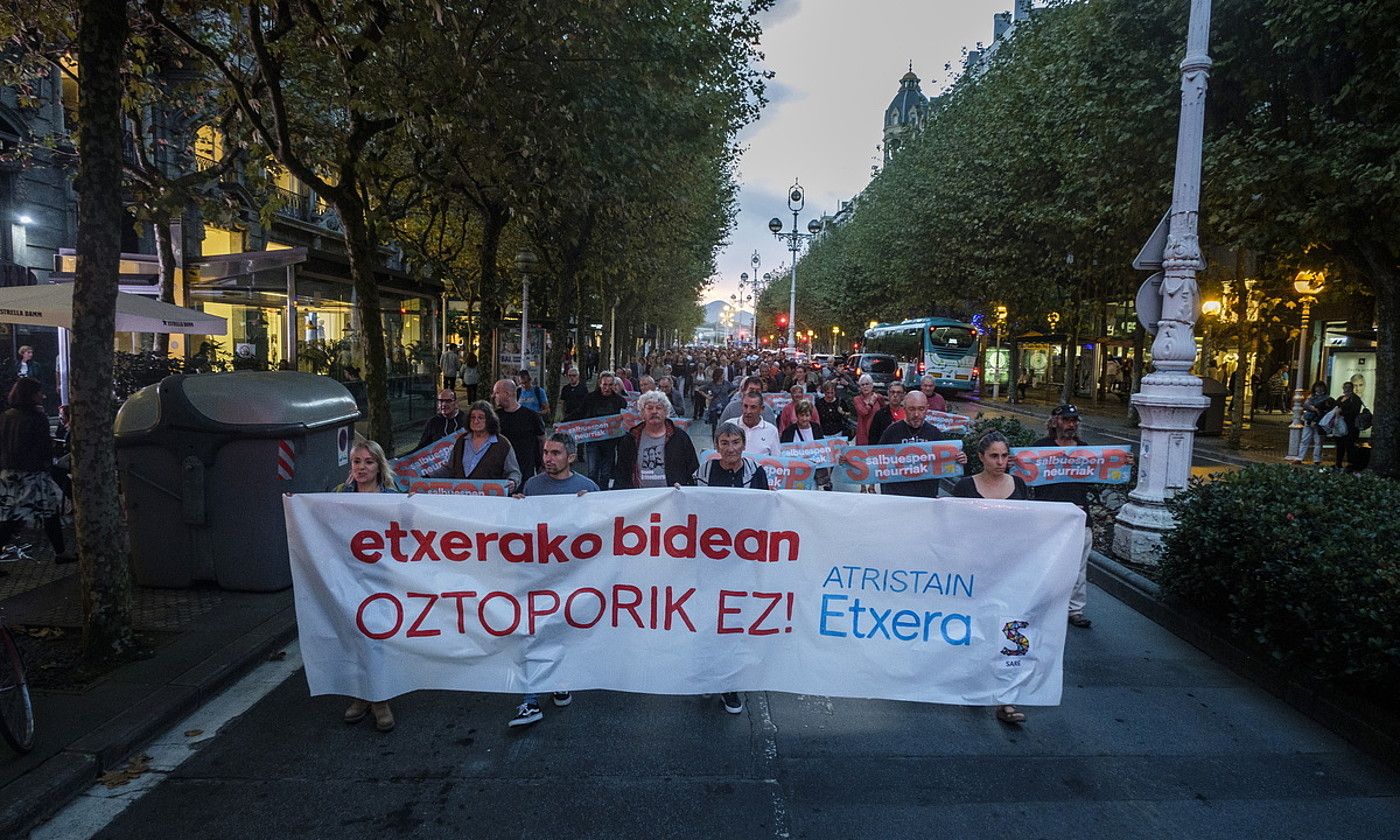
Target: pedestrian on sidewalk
(449, 362)
(557, 479)
(994, 482)
(1063, 429)
(1318, 403)
(471, 376)
(28, 494)
(369, 473)
(1023, 382)
(1349, 406)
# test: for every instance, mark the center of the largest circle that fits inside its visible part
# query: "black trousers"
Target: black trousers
(53, 527)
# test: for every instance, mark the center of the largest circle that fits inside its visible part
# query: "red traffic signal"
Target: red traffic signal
(782, 320)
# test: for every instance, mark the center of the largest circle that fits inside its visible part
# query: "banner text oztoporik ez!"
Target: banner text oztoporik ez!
(684, 591)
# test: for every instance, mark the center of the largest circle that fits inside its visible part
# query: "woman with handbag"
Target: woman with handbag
(1315, 407)
(1349, 407)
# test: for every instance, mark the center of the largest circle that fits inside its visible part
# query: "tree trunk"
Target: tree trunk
(102, 537)
(1385, 434)
(165, 261)
(1245, 341)
(360, 245)
(493, 221)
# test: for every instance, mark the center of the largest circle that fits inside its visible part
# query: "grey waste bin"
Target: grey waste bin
(1211, 423)
(204, 460)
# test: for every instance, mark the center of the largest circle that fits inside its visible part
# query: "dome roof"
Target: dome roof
(905, 103)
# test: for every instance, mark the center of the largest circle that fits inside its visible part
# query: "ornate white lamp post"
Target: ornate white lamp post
(794, 238)
(1308, 284)
(1170, 399)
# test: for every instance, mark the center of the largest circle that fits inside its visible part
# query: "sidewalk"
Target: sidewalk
(201, 639)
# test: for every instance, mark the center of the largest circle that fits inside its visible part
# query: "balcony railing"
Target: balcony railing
(294, 204)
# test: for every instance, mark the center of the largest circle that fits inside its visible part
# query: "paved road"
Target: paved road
(1152, 740)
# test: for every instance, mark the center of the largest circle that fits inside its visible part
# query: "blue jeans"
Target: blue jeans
(602, 458)
(1312, 436)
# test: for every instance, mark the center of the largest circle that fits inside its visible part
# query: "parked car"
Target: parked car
(882, 367)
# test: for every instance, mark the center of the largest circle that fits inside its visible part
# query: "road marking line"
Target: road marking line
(770, 766)
(94, 809)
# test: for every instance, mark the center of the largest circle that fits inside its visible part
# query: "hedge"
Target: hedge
(1304, 563)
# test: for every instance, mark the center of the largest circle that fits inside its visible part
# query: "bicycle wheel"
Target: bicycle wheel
(16, 711)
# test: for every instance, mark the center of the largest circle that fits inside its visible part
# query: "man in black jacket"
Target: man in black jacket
(447, 421)
(573, 395)
(655, 453)
(1063, 428)
(603, 402)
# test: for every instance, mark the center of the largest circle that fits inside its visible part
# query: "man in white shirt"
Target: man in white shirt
(761, 437)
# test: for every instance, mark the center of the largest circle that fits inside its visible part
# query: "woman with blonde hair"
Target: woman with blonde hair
(369, 473)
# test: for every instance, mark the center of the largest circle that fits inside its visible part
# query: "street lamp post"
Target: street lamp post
(525, 263)
(1307, 284)
(794, 238)
(1170, 399)
(999, 324)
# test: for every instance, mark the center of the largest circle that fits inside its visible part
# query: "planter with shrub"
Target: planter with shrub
(1301, 565)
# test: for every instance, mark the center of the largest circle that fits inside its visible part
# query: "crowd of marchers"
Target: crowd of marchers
(507, 439)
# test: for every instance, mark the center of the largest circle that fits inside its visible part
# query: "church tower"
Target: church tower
(905, 113)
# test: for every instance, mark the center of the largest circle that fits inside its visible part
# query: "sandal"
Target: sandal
(1009, 714)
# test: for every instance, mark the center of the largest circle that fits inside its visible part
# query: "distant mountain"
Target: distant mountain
(714, 310)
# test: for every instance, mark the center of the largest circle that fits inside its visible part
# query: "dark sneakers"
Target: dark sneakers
(732, 703)
(526, 714)
(1080, 620)
(563, 698)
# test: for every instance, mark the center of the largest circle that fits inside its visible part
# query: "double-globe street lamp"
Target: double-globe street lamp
(794, 238)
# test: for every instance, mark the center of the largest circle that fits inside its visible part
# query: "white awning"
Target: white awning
(51, 305)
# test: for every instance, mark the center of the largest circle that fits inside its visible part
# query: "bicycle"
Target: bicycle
(16, 710)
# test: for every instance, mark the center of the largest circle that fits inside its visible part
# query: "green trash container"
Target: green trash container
(203, 461)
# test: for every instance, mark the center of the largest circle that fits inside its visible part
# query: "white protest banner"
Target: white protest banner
(593, 429)
(944, 421)
(429, 459)
(783, 473)
(684, 591)
(457, 486)
(1041, 465)
(819, 453)
(776, 401)
(893, 462)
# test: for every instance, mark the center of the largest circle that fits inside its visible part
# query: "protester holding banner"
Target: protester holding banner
(1063, 428)
(929, 385)
(803, 430)
(605, 401)
(731, 468)
(655, 453)
(369, 473)
(867, 402)
(557, 479)
(446, 421)
(892, 412)
(912, 429)
(521, 426)
(993, 482)
(482, 453)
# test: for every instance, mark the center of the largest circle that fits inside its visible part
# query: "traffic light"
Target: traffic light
(782, 320)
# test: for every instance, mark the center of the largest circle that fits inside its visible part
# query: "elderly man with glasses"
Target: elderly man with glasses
(448, 419)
